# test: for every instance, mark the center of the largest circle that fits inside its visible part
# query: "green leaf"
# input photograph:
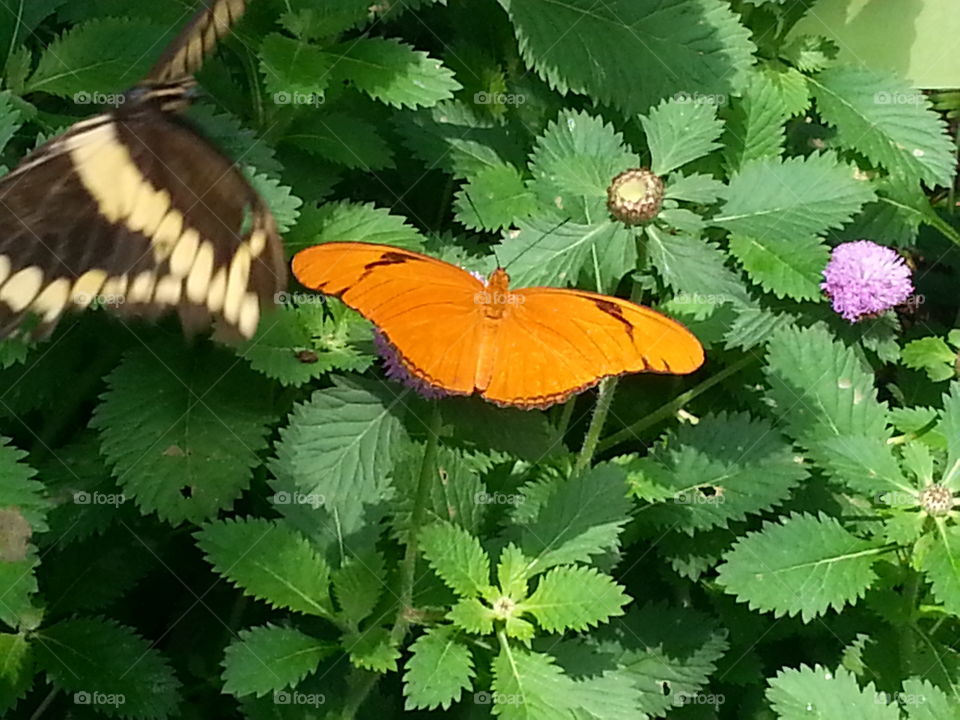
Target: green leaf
(75, 63)
(694, 267)
(721, 469)
(495, 197)
(546, 251)
(756, 126)
(582, 518)
(820, 693)
(696, 45)
(931, 354)
(197, 439)
(866, 465)
(755, 325)
(574, 161)
(513, 570)
(882, 117)
(950, 426)
(529, 686)
(785, 266)
(269, 561)
(696, 188)
(820, 387)
(455, 491)
(358, 585)
(457, 557)
(574, 598)
(440, 668)
(269, 658)
(341, 138)
(340, 444)
(928, 701)
(392, 72)
(354, 222)
(473, 616)
(796, 197)
(611, 695)
(10, 120)
(680, 131)
(239, 143)
(16, 669)
(941, 566)
(373, 650)
(284, 205)
(802, 565)
(295, 73)
(99, 656)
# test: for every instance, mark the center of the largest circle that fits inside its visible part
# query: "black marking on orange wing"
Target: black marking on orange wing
(386, 259)
(614, 311)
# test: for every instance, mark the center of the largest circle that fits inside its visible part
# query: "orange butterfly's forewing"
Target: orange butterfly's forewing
(527, 348)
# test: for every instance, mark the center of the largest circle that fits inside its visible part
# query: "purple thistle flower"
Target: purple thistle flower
(863, 278)
(394, 369)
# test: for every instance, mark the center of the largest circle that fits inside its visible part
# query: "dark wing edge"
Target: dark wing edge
(185, 55)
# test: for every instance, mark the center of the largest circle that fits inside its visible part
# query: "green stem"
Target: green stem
(906, 630)
(566, 414)
(665, 411)
(600, 413)
(408, 569)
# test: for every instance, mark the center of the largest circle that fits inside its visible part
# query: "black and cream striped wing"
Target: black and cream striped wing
(142, 215)
(185, 55)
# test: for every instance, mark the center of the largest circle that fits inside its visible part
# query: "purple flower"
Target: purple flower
(863, 278)
(395, 370)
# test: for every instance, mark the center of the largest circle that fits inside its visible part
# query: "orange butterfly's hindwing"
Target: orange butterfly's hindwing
(527, 348)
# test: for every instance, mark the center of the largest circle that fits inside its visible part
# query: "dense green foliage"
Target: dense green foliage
(190, 529)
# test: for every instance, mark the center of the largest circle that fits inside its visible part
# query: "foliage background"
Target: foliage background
(193, 530)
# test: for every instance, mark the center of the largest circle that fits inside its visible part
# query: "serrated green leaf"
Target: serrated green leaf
(75, 64)
(818, 692)
(16, 669)
(354, 222)
(574, 161)
(574, 598)
(284, 205)
(10, 120)
(457, 557)
(392, 72)
(358, 585)
(795, 197)
(341, 138)
(940, 562)
(438, 671)
(680, 131)
(802, 565)
(495, 197)
(239, 143)
(340, 445)
(785, 266)
(548, 251)
(950, 427)
(611, 695)
(373, 650)
(583, 517)
(269, 658)
(90, 656)
(755, 325)
(473, 616)
(882, 117)
(721, 469)
(529, 686)
(820, 387)
(310, 20)
(791, 85)
(455, 493)
(695, 268)
(198, 437)
(695, 45)
(696, 188)
(513, 569)
(295, 73)
(756, 126)
(866, 465)
(925, 701)
(269, 561)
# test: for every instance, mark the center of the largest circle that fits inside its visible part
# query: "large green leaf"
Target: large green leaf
(269, 658)
(440, 668)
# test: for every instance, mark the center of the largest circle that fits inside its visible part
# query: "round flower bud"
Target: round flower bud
(936, 500)
(635, 196)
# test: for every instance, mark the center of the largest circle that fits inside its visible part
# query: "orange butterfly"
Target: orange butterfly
(528, 348)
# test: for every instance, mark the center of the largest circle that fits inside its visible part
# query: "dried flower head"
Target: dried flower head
(863, 279)
(394, 369)
(635, 196)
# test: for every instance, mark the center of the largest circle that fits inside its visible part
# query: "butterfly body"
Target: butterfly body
(528, 348)
(135, 210)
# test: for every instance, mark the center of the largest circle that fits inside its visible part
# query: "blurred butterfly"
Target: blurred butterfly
(134, 209)
(528, 348)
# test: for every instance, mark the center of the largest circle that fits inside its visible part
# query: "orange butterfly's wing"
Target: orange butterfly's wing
(424, 306)
(553, 343)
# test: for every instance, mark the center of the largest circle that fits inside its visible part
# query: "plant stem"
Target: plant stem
(665, 411)
(408, 575)
(907, 640)
(600, 413)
